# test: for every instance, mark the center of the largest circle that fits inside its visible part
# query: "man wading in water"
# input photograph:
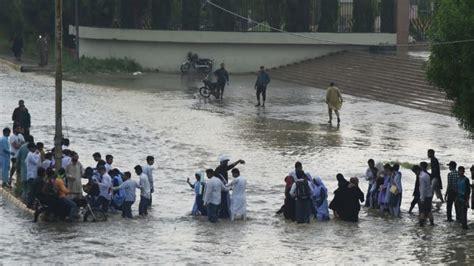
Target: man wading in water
(334, 101)
(222, 79)
(222, 173)
(261, 85)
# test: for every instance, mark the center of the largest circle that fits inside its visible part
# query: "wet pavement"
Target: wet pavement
(163, 115)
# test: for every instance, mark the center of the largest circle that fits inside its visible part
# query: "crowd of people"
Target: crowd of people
(306, 196)
(39, 183)
(110, 189)
(212, 197)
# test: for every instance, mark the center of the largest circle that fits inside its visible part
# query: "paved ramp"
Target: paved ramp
(379, 76)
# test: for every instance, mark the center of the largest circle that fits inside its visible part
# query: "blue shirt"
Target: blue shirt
(262, 79)
(129, 186)
(5, 147)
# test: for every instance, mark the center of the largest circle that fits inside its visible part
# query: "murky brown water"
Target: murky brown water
(131, 117)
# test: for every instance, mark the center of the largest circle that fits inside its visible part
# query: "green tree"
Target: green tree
(363, 15)
(387, 16)
(329, 16)
(273, 12)
(127, 14)
(190, 14)
(223, 21)
(451, 66)
(161, 14)
(298, 15)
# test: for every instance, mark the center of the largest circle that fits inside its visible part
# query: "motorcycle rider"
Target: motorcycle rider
(222, 78)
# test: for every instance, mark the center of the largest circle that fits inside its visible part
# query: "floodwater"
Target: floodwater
(163, 115)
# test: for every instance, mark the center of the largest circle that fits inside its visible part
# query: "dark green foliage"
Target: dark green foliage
(161, 14)
(451, 66)
(94, 65)
(274, 12)
(329, 16)
(221, 20)
(364, 16)
(190, 14)
(387, 16)
(127, 14)
(298, 15)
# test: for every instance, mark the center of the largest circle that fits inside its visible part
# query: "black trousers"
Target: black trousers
(449, 206)
(461, 212)
(414, 202)
(261, 90)
(127, 209)
(103, 203)
(220, 88)
(143, 206)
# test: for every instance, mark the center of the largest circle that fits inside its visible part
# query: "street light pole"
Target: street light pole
(77, 29)
(58, 136)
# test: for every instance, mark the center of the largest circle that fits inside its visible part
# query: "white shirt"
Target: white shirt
(148, 170)
(369, 176)
(238, 202)
(212, 192)
(105, 184)
(16, 139)
(144, 186)
(33, 161)
(47, 163)
(65, 161)
(425, 186)
(108, 167)
(129, 186)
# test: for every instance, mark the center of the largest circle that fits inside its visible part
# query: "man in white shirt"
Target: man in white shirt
(212, 195)
(105, 187)
(144, 186)
(148, 171)
(33, 161)
(48, 161)
(109, 160)
(16, 140)
(238, 202)
(74, 172)
(426, 195)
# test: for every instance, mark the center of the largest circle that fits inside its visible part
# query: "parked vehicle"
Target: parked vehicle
(200, 64)
(86, 212)
(209, 88)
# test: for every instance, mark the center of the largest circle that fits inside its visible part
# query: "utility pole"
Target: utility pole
(58, 136)
(77, 29)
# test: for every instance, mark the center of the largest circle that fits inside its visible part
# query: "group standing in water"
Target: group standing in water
(218, 197)
(212, 198)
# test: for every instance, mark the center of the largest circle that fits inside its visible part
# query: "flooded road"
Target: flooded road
(163, 115)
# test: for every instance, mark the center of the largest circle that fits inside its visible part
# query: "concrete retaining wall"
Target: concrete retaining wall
(240, 51)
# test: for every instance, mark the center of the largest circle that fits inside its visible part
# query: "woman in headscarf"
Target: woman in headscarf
(352, 201)
(383, 194)
(198, 186)
(320, 200)
(337, 203)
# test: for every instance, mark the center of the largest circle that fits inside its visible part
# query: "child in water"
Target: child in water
(198, 186)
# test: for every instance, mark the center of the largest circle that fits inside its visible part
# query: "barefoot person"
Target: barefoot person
(334, 101)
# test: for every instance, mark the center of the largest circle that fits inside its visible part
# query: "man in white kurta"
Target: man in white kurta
(238, 202)
(74, 172)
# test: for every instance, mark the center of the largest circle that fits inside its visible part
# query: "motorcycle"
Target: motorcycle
(209, 88)
(201, 64)
(86, 211)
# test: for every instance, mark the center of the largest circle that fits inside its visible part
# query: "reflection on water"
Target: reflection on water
(163, 115)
